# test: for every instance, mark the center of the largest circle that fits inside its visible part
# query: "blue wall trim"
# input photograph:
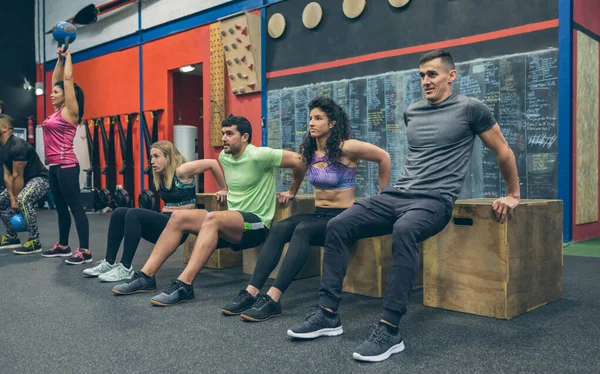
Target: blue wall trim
(44, 56)
(141, 75)
(263, 74)
(565, 117)
(100, 50)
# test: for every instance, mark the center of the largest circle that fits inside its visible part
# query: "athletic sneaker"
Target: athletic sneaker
(264, 308)
(6, 242)
(242, 302)
(318, 322)
(139, 282)
(57, 251)
(118, 273)
(102, 267)
(79, 258)
(30, 247)
(384, 341)
(176, 293)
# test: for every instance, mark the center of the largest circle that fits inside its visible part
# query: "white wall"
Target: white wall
(116, 24)
(157, 13)
(113, 25)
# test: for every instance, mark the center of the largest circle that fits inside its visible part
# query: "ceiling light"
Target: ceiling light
(39, 88)
(186, 69)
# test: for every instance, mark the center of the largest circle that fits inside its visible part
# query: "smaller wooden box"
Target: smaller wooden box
(477, 265)
(301, 204)
(222, 258)
(369, 265)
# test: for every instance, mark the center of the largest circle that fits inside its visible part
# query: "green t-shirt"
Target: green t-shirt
(251, 181)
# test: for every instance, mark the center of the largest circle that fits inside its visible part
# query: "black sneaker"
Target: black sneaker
(30, 247)
(242, 302)
(57, 251)
(140, 282)
(6, 242)
(263, 309)
(380, 346)
(318, 322)
(176, 293)
(79, 258)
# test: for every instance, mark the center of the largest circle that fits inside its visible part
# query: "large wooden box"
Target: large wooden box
(222, 258)
(477, 265)
(301, 204)
(369, 266)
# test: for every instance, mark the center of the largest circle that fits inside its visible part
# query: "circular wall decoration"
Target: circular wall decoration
(311, 16)
(398, 3)
(276, 25)
(353, 8)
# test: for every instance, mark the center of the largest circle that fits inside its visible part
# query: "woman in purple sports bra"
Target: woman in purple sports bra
(331, 157)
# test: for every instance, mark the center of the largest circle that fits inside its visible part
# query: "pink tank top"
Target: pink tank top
(58, 140)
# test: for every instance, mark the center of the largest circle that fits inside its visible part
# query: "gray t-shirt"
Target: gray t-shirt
(440, 143)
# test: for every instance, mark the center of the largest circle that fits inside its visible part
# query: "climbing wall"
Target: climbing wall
(217, 85)
(240, 38)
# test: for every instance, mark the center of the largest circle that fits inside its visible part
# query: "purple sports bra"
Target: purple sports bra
(330, 177)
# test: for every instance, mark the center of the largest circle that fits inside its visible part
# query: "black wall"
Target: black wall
(17, 61)
(381, 27)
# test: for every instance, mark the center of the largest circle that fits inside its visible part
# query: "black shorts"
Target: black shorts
(255, 233)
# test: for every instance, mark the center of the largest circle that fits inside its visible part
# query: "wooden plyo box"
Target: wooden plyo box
(301, 204)
(479, 266)
(222, 258)
(369, 266)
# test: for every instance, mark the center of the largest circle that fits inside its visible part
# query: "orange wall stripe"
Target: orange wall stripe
(419, 48)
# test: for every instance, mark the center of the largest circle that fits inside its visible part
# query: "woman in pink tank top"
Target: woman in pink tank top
(59, 132)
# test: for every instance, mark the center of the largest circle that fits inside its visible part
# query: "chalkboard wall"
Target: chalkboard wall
(520, 89)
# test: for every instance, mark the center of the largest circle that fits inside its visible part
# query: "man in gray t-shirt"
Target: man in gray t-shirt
(441, 132)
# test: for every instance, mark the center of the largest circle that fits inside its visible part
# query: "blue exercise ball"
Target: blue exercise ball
(18, 222)
(64, 33)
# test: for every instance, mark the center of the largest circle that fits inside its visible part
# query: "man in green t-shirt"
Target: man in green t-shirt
(251, 199)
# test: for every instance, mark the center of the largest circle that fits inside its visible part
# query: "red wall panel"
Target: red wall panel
(111, 86)
(188, 48)
(587, 14)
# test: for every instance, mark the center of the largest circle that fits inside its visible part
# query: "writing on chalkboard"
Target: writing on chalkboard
(520, 90)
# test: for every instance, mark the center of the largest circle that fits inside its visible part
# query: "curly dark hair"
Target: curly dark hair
(338, 133)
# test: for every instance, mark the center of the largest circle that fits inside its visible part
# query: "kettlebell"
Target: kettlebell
(64, 33)
(18, 222)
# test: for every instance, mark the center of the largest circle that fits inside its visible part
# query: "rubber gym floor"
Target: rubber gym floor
(53, 320)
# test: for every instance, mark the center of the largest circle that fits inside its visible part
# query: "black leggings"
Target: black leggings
(64, 185)
(301, 231)
(133, 224)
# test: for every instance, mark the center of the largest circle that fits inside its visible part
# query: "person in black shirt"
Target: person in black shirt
(26, 180)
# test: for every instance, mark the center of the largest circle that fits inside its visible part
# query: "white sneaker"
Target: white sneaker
(102, 268)
(118, 273)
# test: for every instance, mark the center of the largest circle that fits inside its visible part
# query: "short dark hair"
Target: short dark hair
(8, 119)
(438, 53)
(78, 96)
(242, 124)
(1, 106)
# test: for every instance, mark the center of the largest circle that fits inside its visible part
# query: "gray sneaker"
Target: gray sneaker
(118, 273)
(140, 282)
(380, 345)
(102, 267)
(176, 293)
(317, 323)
